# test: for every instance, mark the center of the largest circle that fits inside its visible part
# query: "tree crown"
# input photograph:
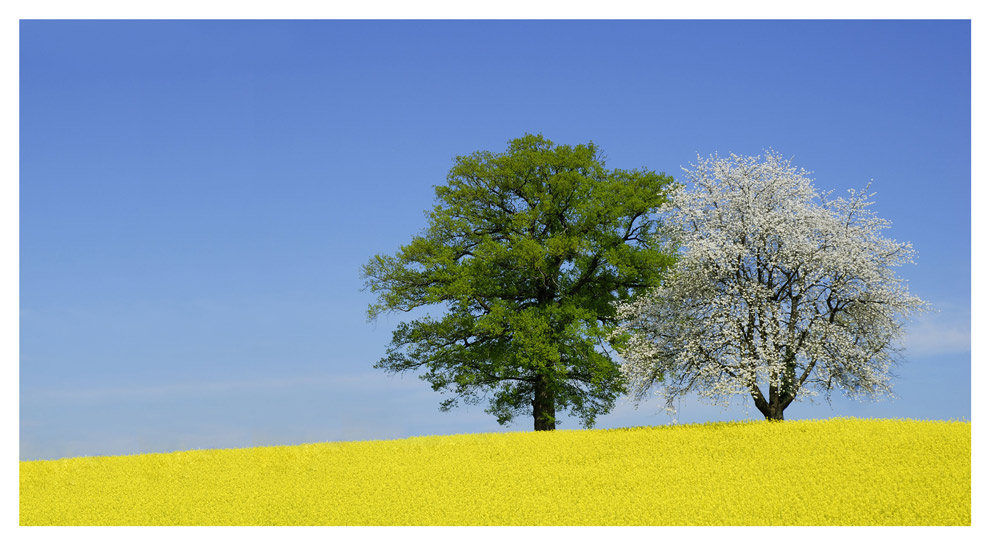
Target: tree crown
(527, 250)
(779, 287)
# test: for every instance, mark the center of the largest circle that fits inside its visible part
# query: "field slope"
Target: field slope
(826, 472)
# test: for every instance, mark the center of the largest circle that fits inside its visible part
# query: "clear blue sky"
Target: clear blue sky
(197, 198)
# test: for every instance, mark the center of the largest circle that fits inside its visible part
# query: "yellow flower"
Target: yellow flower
(827, 472)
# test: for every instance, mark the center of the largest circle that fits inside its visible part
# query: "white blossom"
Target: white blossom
(780, 291)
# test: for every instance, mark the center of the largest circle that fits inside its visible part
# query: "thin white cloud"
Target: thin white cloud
(342, 383)
(936, 335)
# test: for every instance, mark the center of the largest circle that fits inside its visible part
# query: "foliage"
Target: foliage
(830, 472)
(527, 250)
(780, 291)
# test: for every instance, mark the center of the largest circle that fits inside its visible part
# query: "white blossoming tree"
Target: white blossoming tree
(780, 292)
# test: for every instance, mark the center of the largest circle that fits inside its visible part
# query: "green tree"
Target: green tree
(528, 251)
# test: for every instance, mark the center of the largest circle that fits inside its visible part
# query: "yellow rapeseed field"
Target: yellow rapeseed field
(826, 472)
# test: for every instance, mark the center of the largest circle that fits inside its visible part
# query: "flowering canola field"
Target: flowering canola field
(825, 472)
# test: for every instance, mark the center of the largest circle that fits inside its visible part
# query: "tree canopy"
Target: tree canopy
(527, 251)
(780, 292)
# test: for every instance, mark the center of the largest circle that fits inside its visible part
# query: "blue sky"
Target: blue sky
(197, 198)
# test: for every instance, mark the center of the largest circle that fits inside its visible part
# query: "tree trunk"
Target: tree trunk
(544, 412)
(773, 410)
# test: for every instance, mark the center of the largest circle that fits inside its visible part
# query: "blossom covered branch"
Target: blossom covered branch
(780, 291)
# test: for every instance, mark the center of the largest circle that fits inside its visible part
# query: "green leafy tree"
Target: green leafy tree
(528, 251)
